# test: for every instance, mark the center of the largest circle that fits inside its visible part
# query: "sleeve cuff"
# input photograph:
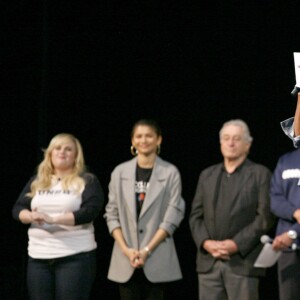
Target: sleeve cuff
(169, 228)
(112, 225)
(288, 128)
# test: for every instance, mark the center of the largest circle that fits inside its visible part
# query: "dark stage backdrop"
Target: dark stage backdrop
(93, 69)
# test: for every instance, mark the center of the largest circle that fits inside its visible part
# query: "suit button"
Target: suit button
(141, 230)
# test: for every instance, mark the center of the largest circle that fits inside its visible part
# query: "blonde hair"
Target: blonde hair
(45, 169)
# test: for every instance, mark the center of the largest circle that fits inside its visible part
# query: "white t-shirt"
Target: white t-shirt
(52, 240)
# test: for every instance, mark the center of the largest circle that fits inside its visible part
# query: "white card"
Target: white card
(267, 257)
(297, 67)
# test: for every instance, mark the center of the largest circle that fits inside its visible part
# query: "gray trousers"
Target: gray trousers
(222, 284)
(289, 275)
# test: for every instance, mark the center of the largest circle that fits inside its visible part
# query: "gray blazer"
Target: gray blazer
(249, 218)
(163, 208)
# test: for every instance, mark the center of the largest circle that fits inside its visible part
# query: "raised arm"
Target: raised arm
(297, 117)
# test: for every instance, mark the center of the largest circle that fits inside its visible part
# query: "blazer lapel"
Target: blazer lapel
(242, 180)
(128, 182)
(211, 184)
(158, 176)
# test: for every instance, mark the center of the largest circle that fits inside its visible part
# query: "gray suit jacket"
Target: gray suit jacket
(249, 217)
(163, 208)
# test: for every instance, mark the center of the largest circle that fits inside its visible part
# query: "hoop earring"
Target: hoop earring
(158, 150)
(133, 151)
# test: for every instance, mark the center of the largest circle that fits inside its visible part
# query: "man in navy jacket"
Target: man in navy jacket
(285, 204)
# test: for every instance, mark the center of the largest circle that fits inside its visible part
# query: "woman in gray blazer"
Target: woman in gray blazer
(144, 209)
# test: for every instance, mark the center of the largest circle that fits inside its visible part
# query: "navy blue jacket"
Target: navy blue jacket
(285, 191)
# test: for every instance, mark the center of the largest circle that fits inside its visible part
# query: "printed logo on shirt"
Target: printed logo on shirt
(141, 190)
(141, 187)
(291, 173)
(53, 192)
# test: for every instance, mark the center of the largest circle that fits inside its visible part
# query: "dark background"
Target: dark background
(93, 69)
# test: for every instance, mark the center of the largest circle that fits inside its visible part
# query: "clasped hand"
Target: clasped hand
(41, 218)
(220, 249)
(137, 258)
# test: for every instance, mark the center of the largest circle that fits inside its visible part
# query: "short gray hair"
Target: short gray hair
(240, 123)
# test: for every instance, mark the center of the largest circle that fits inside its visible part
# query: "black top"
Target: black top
(141, 186)
(226, 183)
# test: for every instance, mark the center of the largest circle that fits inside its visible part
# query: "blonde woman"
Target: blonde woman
(60, 204)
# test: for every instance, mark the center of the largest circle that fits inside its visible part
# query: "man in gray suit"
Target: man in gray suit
(230, 212)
